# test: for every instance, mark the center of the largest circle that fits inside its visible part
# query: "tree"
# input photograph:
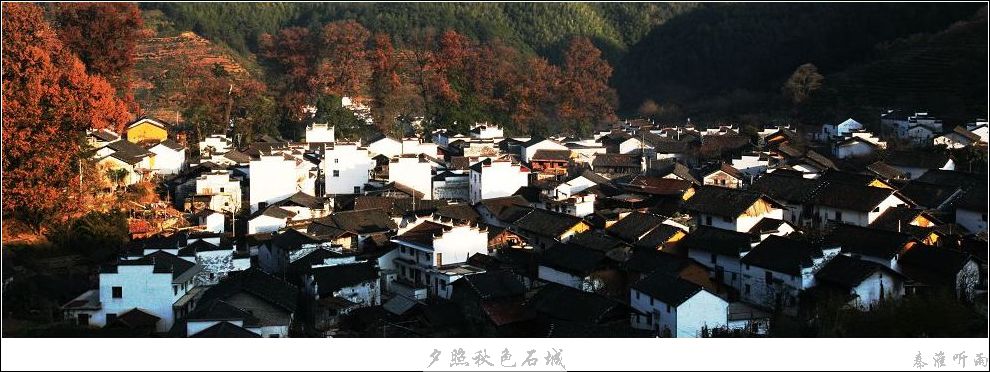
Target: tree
(585, 97)
(804, 81)
(49, 101)
(292, 56)
(343, 68)
(104, 36)
(648, 108)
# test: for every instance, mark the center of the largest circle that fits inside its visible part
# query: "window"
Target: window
(175, 290)
(111, 318)
(82, 319)
(747, 288)
(637, 294)
(212, 276)
(768, 277)
(221, 189)
(747, 266)
(733, 276)
(708, 220)
(668, 309)
(838, 216)
(726, 219)
(714, 258)
(651, 301)
(117, 292)
(357, 189)
(336, 161)
(336, 173)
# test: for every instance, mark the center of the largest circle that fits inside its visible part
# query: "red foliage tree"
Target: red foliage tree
(104, 36)
(343, 68)
(49, 101)
(292, 52)
(585, 97)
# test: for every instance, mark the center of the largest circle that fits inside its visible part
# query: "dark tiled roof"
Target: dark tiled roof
(551, 155)
(292, 239)
(258, 283)
(783, 255)
(573, 260)
(658, 236)
(332, 278)
(867, 241)
(916, 159)
(221, 310)
(423, 233)
(850, 196)
(952, 178)
(722, 201)
(668, 289)
(635, 225)
(301, 199)
(615, 160)
(459, 212)
(137, 318)
(163, 262)
(973, 200)
(532, 194)
(848, 272)
(886, 171)
(791, 189)
(170, 143)
(933, 265)
(719, 241)
(596, 240)
(491, 285)
(225, 330)
(565, 303)
(547, 223)
(928, 195)
(365, 221)
(647, 260)
(767, 225)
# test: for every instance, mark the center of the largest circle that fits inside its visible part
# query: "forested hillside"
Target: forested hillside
(542, 28)
(724, 59)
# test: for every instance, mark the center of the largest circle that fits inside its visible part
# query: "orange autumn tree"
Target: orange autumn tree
(104, 36)
(48, 102)
(585, 97)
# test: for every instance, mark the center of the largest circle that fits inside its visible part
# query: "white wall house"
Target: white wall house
(416, 146)
(433, 254)
(531, 148)
(452, 185)
(674, 307)
(866, 282)
(731, 209)
(156, 284)
(225, 191)
(385, 146)
(347, 168)
(215, 144)
(273, 178)
(852, 147)
(170, 157)
(487, 131)
(752, 165)
(413, 172)
(853, 204)
(777, 270)
(319, 133)
(496, 178)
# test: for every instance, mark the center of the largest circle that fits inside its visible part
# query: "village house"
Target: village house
(958, 138)
(731, 209)
(493, 304)
(838, 202)
(880, 246)
(347, 168)
(170, 157)
(413, 171)
(918, 127)
(752, 165)
(134, 161)
(486, 131)
(674, 307)
(273, 178)
(861, 284)
(724, 176)
(617, 164)
(146, 129)
(832, 131)
(777, 270)
(971, 210)
(99, 138)
(532, 146)
(217, 258)
(339, 289)
(916, 163)
(251, 300)
(550, 162)
(719, 250)
(562, 310)
(496, 178)
(853, 147)
(646, 230)
(320, 133)
(223, 191)
(452, 185)
(933, 269)
(160, 285)
(543, 229)
(575, 267)
(434, 253)
(215, 144)
(980, 128)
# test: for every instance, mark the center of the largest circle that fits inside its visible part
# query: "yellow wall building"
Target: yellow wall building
(146, 129)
